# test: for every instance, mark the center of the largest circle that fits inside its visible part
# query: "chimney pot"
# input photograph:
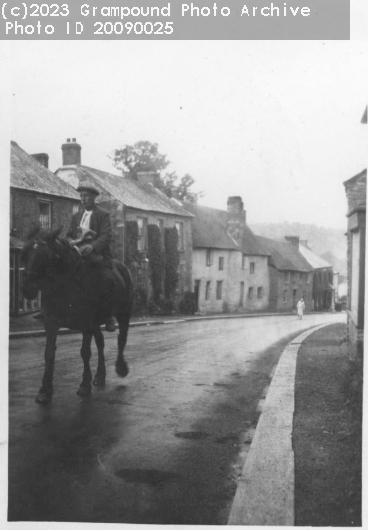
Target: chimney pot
(294, 240)
(74, 140)
(148, 177)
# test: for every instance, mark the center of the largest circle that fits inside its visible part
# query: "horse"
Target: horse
(73, 297)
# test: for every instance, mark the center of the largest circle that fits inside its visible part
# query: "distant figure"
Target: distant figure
(300, 307)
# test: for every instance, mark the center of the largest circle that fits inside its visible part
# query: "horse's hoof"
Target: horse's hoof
(43, 398)
(84, 391)
(122, 368)
(99, 380)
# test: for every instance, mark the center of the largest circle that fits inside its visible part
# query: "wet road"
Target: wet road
(164, 445)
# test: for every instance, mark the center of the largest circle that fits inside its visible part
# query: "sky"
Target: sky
(275, 122)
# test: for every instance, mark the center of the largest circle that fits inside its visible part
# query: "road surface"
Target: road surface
(164, 445)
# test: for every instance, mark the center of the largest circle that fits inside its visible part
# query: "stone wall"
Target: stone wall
(25, 211)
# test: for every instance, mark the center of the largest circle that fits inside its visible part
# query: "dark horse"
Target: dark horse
(72, 296)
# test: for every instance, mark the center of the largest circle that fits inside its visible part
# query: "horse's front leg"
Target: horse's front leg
(121, 365)
(86, 386)
(45, 393)
(99, 379)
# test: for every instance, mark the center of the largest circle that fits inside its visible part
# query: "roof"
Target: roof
(315, 261)
(210, 231)
(129, 192)
(362, 175)
(28, 174)
(284, 256)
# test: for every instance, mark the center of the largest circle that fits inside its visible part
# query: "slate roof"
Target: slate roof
(284, 256)
(130, 193)
(28, 174)
(315, 261)
(209, 231)
(362, 175)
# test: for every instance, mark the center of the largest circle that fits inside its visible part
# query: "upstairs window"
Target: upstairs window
(180, 229)
(142, 233)
(75, 208)
(221, 264)
(252, 267)
(308, 277)
(286, 277)
(209, 257)
(45, 215)
(244, 261)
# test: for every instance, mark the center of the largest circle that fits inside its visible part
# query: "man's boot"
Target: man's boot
(110, 323)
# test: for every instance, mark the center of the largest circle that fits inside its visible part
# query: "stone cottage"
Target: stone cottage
(230, 271)
(291, 276)
(37, 197)
(138, 203)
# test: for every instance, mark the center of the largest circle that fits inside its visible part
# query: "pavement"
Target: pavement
(266, 488)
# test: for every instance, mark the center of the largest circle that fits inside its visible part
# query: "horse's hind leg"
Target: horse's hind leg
(45, 393)
(99, 379)
(86, 386)
(121, 365)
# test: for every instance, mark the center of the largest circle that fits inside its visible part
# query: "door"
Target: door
(241, 297)
(196, 292)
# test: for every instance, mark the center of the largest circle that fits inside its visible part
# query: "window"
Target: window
(250, 293)
(285, 297)
(252, 267)
(45, 214)
(142, 231)
(259, 292)
(219, 290)
(308, 277)
(209, 257)
(180, 229)
(221, 264)
(75, 208)
(160, 224)
(286, 277)
(244, 261)
(208, 289)
(296, 277)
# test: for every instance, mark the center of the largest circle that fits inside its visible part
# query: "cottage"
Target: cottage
(37, 197)
(323, 282)
(356, 194)
(138, 204)
(229, 264)
(291, 276)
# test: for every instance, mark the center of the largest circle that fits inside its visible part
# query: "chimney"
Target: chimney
(235, 219)
(149, 177)
(42, 158)
(71, 152)
(294, 240)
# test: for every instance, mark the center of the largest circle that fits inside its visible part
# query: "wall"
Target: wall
(232, 275)
(278, 286)
(26, 211)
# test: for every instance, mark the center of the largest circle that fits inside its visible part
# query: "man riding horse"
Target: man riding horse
(90, 233)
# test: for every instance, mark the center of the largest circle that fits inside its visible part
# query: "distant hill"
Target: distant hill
(328, 243)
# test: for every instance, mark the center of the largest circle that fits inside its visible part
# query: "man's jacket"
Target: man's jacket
(101, 224)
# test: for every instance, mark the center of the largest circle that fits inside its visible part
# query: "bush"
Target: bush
(188, 304)
(162, 308)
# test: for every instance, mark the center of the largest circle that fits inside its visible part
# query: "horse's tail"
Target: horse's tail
(128, 281)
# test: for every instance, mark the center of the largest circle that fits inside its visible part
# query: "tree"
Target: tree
(145, 156)
(141, 156)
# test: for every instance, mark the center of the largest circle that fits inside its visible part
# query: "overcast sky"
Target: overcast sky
(277, 123)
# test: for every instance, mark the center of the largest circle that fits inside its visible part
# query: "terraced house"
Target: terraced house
(37, 197)
(135, 206)
(230, 266)
(291, 276)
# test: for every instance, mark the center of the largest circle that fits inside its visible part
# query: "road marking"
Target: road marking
(265, 491)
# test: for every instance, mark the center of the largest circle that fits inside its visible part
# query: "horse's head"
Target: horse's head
(42, 253)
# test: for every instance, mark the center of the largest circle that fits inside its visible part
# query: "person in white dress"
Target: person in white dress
(300, 307)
